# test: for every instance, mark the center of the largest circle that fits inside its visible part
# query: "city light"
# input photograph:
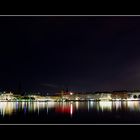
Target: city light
(71, 109)
(71, 93)
(105, 105)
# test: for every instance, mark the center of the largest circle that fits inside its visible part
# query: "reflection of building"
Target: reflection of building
(6, 108)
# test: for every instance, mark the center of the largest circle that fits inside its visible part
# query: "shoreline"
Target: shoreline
(75, 101)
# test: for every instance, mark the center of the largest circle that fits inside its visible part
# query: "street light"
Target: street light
(71, 93)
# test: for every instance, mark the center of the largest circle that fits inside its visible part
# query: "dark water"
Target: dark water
(70, 112)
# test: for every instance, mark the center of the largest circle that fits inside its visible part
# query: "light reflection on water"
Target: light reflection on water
(105, 105)
(10, 108)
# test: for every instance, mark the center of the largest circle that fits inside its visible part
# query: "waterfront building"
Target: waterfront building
(7, 96)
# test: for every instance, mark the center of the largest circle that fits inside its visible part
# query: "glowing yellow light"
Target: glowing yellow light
(77, 105)
(77, 98)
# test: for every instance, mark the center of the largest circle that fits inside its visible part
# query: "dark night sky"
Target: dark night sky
(83, 53)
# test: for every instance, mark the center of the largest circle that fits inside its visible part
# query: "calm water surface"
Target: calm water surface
(70, 112)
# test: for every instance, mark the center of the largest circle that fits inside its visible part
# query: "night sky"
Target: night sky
(81, 53)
